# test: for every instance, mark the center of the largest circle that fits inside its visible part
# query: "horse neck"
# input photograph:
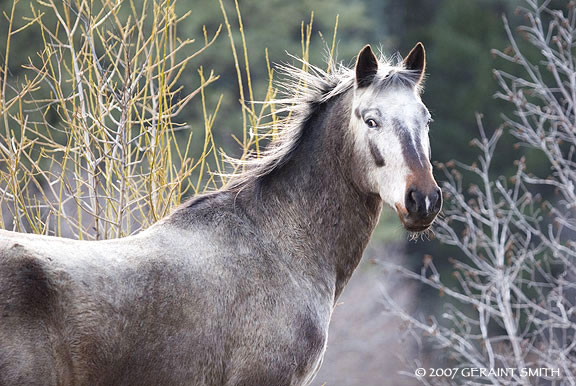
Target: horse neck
(311, 205)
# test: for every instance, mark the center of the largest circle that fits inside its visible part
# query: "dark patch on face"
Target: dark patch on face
(376, 154)
(412, 150)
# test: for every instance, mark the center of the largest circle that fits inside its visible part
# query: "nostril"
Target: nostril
(437, 200)
(411, 201)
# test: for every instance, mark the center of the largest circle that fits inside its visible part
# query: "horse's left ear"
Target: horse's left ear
(416, 61)
(366, 66)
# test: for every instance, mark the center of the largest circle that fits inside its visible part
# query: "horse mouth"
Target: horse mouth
(412, 224)
(416, 227)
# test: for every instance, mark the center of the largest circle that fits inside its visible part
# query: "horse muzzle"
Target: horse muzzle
(420, 209)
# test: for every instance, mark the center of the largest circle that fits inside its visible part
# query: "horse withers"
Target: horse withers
(235, 287)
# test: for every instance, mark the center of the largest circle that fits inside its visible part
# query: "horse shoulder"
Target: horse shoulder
(25, 285)
(31, 351)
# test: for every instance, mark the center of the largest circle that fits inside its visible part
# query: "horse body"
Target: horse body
(168, 306)
(234, 288)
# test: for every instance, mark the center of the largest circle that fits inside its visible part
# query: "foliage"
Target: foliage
(96, 156)
(513, 294)
(90, 142)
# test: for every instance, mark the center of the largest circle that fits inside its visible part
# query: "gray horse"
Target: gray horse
(235, 287)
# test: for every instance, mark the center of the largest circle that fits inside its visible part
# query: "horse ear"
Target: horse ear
(366, 66)
(416, 60)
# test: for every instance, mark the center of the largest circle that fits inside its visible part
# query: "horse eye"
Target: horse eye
(371, 123)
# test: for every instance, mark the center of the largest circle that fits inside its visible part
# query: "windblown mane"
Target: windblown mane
(304, 91)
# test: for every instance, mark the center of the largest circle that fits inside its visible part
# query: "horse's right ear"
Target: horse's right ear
(416, 61)
(366, 66)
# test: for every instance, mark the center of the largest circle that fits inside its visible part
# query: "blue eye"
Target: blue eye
(371, 123)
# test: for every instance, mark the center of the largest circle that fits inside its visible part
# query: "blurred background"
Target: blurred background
(366, 345)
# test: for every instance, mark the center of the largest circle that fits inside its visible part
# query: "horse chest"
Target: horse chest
(310, 345)
(277, 337)
(282, 353)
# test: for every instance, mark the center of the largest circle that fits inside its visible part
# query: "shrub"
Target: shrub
(511, 298)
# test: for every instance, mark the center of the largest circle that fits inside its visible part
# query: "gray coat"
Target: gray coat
(234, 288)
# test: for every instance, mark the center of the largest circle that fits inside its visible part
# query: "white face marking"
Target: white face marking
(427, 202)
(402, 119)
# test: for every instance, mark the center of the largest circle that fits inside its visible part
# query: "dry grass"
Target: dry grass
(115, 162)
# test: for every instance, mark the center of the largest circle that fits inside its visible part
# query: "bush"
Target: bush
(511, 297)
(91, 147)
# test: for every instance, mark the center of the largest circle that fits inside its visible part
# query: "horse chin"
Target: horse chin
(416, 228)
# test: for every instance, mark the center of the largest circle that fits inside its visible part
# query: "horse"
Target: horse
(235, 287)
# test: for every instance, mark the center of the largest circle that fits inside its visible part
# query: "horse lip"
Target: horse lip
(412, 226)
(416, 228)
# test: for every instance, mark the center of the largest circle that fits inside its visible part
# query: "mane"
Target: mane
(304, 91)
